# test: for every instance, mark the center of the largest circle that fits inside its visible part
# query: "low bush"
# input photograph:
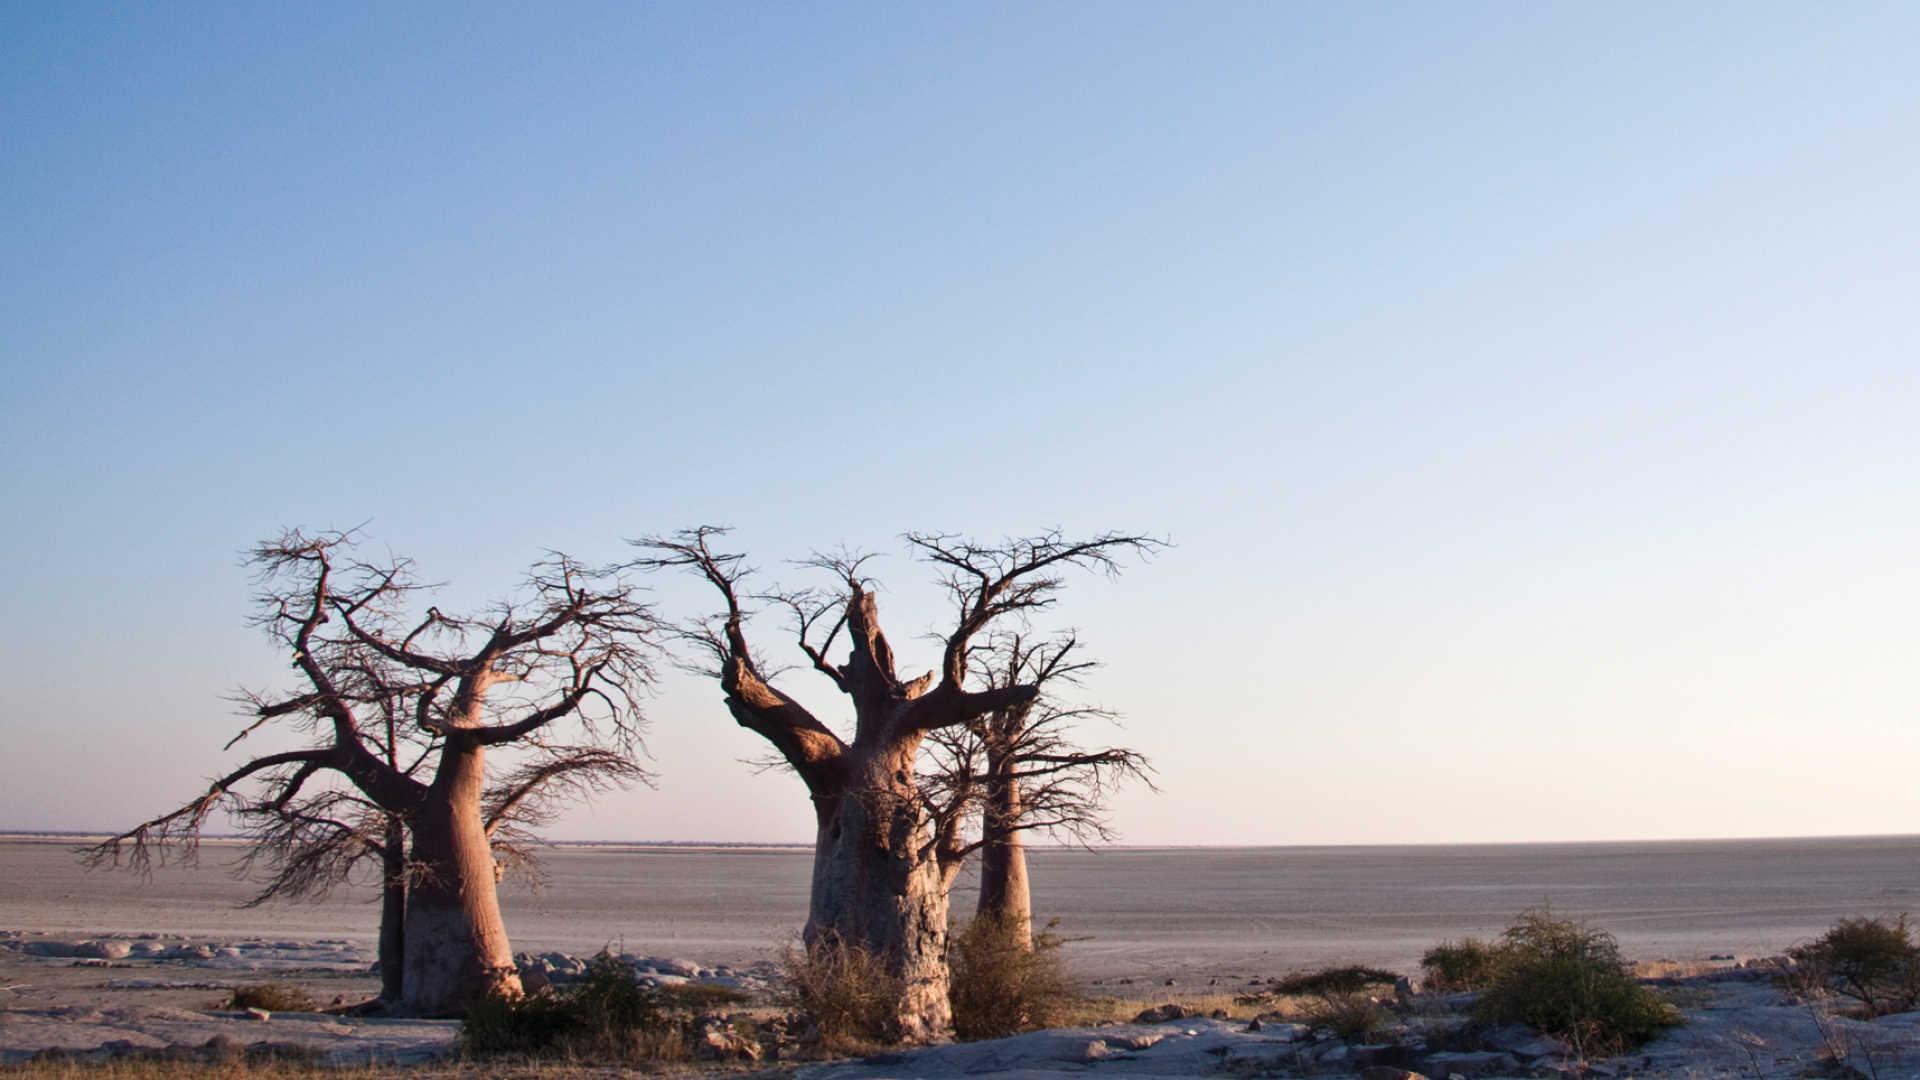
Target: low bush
(1873, 961)
(1567, 980)
(1467, 964)
(273, 997)
(1002, 985)
(529, 1024)
(847, 990)
(1337, 980)
(607, 1015)
(1351, 1014)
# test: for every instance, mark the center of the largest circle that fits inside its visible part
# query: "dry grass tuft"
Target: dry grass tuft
(848, 992)
(1002, 985)
(273, 997)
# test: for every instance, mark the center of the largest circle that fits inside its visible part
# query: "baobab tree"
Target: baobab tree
(566, 659)
(1019, 769)
(877, 881)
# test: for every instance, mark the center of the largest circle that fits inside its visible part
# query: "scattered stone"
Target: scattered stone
(1389, 1072)
(1473, 1063)
(104, 950)
(721, 1042)
(1134, 1042)
(223, 1048)
(1160, 1014)
(259, 1014)
(1523, 1042)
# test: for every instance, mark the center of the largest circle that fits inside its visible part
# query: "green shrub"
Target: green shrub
(273, 997)
(1873, 961)
(1350, 1014)
(847, 990)
(1002, 985)
(1467, 964)
(1338, 980)
(1567, 979)
(607, 1015)
(529, 1024)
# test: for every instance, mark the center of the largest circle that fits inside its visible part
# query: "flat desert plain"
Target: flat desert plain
(1180, 913)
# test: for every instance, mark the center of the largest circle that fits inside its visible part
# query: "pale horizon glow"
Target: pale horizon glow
(1531, 394)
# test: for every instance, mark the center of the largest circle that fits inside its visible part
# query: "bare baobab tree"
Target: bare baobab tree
(1019, 769)
(877, 881)
(566, 659)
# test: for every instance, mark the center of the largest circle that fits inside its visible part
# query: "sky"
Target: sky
(1530, 393)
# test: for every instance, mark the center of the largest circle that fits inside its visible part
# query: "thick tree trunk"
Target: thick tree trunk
(1005, 896)
(456, 945)
(393, 914)
(876, 884)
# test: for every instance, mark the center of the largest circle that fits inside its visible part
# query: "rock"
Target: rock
(1473, 1063)
(50, 948)
(686, 969)
(720, 1042)
(533, 980)
(1523, 1042)
(1160, 1014)
(1218, 1014)
(1093, 1051)
(1333, 1054)
(1388, 1072)
(1403, 990)
(1135, 1042)
(104, 950)
(1274, 1028)
(1255, 1024)
(223, 1048)
(261, 1015)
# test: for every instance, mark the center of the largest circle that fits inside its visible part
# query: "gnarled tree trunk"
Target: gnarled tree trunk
(456, 944)
(876, 884)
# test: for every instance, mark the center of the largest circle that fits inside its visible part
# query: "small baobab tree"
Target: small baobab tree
(1020, 769)
(877, 880)
(554, 673)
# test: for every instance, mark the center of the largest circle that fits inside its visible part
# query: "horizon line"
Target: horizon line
(800, 845)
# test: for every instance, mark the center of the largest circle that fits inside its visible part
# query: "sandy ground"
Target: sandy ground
(150, 1003)
(168, 996)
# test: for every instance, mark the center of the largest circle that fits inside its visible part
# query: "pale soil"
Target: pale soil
(1740, 1025)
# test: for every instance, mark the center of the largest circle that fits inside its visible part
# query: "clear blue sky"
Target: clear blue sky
(1530, 390)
